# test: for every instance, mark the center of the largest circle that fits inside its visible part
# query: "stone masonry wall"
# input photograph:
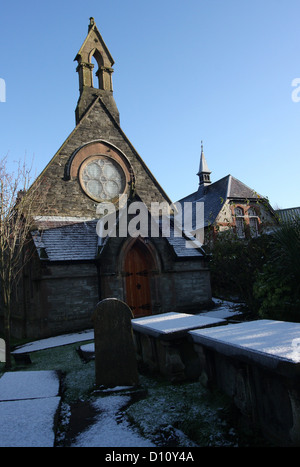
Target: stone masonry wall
(65, 197)
(61, 299)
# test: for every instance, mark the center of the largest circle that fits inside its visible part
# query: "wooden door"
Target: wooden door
(138, 266)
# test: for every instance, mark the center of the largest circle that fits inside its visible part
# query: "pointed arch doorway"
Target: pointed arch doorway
(139, 266)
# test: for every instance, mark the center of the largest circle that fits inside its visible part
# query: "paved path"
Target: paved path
(29, 401)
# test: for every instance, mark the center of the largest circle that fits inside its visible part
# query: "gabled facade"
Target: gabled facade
(230, 204)
(75, 265)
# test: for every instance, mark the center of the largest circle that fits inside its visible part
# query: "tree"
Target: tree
(18, 198)
(234, 265)
(277, 286)
(263, 271)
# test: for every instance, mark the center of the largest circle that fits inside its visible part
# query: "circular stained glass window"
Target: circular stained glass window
(102, 178)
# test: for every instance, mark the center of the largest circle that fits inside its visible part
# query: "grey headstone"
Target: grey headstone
(2, 350)
(115, 357)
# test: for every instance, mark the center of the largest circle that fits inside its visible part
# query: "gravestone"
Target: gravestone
(2, 350)
(115, 357)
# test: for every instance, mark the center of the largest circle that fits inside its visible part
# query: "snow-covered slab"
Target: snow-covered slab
(168, 325)
(28, 423)
(56, 341)
(18, 385)
(88, 348)
(265, 341)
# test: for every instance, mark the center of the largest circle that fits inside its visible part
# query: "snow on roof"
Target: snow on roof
(68, 243)
(266, 341)
(167, 324)
(78, 241)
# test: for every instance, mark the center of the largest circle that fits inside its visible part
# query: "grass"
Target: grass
(182, 414)
(186, 414)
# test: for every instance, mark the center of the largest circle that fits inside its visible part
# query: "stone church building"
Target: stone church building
(74, 266)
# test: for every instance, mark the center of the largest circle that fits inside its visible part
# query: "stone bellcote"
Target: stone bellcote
(95, 47)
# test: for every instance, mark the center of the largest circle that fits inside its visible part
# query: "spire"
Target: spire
(204, 172)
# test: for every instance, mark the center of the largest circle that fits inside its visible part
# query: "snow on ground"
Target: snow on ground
(224, 309)
(29, 401)
(109, 430)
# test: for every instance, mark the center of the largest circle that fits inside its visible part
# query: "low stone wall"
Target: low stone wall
(258, 365)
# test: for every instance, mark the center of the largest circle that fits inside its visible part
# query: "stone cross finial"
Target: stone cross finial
(92, 22)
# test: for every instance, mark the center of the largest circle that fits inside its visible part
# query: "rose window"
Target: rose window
(102, 178)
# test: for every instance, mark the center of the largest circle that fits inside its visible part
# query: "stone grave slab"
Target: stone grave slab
(29, 403)
(257, 364)
(173, 325)
(18, 385)
(269, 342)
(163, 346)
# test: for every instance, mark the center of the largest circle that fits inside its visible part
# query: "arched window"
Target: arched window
(239, 222)
(239, 212)
(253, 222)
(96, 59)
(95, 79)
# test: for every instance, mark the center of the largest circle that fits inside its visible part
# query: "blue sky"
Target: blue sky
(220, 71)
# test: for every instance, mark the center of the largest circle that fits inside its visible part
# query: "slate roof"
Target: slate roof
(289, 214)
(73, 242)
(216, 194)
(179, 244)
(80, 242)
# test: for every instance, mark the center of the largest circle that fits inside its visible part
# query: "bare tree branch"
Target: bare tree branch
(18, 200)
